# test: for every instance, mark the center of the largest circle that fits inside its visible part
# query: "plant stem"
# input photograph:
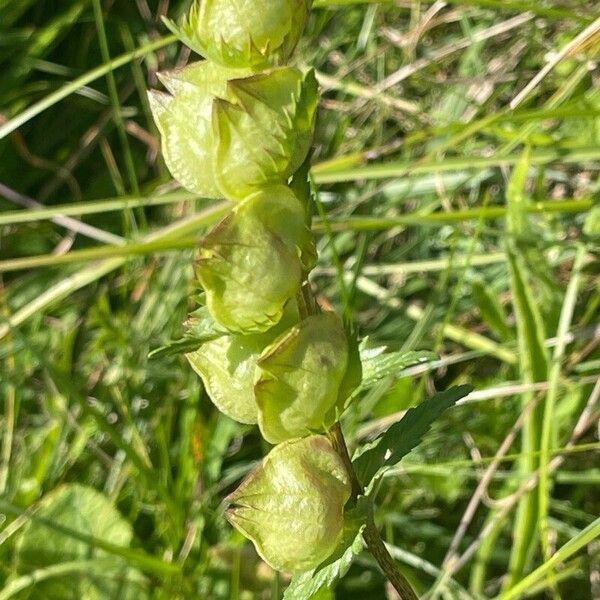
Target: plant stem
(386, 562)
(370, 534)
(339, 444)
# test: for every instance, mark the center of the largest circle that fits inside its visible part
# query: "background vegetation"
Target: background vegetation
(449, 220)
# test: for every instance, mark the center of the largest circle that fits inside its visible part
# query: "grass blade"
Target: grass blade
(77, 84)
(533, 367)
(582, 539)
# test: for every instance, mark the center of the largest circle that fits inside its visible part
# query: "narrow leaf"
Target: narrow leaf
(404, 436)
(533, 364)
(492, 311)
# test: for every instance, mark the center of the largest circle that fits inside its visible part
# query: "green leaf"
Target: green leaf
(354, 371)
(264, 130)
(252, 263)
(248, 34)
(402, 437)
(87, 511)
(492, 311)
(300, 378)
(291, 506)
(307, 585)
(378, 364)
(200, 328)
(181, 346)
(582, 539)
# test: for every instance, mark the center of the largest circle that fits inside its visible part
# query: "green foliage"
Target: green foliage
(413, 149)
(376, 458)
(309, 584)
(41, 546)
(378, 364)
(533, 364)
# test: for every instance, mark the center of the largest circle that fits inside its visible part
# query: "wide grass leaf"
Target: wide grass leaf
(86, 511)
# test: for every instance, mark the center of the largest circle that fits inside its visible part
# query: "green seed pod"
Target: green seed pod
(252, 263)
(264, 129)
(303, 379)
(184, 119)
(226, 133)
(244, 33)
(291, 506)
(227, 366)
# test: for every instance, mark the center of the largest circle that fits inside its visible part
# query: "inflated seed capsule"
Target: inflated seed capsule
(244, 33)
(291, 506)
(264, 129)
(184, 118)
(304, 377)
(227, 133)
(227, 366)
(252, 263)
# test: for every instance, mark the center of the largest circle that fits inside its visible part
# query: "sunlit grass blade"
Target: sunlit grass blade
(582, 539)
(93, 272)
(77, 84)
(533, 366)
(390, 169)
(556, 368)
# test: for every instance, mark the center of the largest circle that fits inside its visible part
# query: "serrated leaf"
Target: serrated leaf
(87, 511)
(378, 364)
(402, 437)
(307, 585)
(291, 506)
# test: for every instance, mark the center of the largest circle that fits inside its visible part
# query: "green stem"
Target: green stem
(386, 562)
(371, 534)
(339, 444)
